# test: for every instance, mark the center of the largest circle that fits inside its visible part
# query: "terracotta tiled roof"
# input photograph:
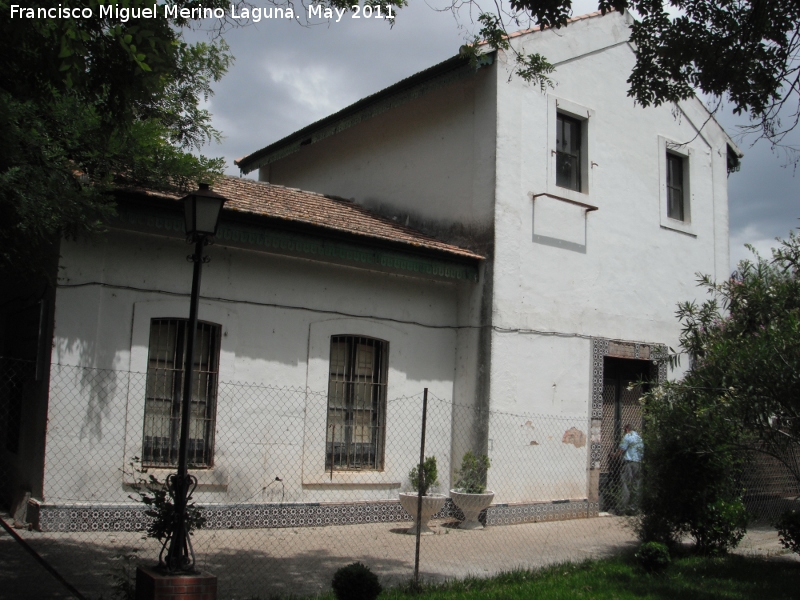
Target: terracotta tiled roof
(328, 212)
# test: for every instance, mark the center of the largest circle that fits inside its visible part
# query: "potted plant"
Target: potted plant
(431, 503)
(470, 493)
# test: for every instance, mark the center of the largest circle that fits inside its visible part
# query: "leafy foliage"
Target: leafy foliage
(91, 103)
(720, 526)
(745, 52)
(740, 395)
(472, 474)
(788, 527)
(123, 577)
(745, 344)
(653, 556)
(356, 582)
(154, 494)
(422, 482)
(691, 472)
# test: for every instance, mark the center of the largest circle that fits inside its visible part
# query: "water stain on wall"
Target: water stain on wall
(574, 436)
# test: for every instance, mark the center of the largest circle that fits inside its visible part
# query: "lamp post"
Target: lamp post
(202, 209)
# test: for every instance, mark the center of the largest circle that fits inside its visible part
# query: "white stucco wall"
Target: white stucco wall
(635, 266)
(277, 319)
(626, 265)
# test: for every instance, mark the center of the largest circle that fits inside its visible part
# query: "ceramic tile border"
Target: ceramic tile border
(514, 514)
(268, 516)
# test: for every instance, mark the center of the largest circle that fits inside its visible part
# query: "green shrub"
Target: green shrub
(355, 582)
(155, 495)
(788, 527)
(720, 527)
(692, 466)
(430, 476)
(472, 474)
(653, 556)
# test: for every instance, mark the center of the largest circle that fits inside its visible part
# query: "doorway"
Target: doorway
(624, 382)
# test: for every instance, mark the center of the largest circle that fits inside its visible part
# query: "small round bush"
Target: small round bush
(355, 582)
(788, 527)
(653, 556)
(720, 526)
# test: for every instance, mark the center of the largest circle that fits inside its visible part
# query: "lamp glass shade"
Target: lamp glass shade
(201, 211)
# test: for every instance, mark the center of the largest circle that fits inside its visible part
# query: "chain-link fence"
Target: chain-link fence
(770, 487)
(294, 483)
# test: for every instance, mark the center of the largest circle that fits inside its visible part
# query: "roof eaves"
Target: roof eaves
(423, 243)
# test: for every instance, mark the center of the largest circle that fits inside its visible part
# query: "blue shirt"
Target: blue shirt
(632, 447)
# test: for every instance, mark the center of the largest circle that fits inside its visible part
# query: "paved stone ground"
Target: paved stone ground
(302, 561)
(22, 577)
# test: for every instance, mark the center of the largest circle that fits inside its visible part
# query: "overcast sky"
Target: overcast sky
(287, 76)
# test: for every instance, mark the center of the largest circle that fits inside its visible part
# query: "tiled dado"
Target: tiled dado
(258, 516)
(514, 514)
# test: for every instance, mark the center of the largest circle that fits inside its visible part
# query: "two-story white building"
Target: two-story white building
(518, 253)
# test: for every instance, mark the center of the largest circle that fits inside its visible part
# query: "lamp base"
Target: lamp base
(154, 584)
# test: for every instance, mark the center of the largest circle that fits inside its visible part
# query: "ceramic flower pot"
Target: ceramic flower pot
(471, 505)
(431, 504)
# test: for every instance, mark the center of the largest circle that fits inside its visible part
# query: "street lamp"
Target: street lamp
(202, 209)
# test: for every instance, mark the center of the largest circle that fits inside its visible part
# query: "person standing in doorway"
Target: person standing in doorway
(631, 449)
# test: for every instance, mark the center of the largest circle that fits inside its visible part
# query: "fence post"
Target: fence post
(420, 480)
(333, 447)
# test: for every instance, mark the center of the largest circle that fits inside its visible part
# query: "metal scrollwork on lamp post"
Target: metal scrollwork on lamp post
(202, 209)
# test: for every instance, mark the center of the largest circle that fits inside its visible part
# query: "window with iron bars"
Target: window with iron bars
(162, 409)
(356, 429)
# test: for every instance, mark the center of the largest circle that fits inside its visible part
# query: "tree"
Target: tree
(745, 346)
(740, 396)
(91, 103)
(743, 51)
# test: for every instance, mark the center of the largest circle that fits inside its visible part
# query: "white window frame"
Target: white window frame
(666, 147)
(585, 115)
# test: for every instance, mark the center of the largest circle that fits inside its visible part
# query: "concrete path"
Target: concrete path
(23, 577)
(302, 561)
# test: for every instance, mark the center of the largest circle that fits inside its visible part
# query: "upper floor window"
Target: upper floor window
(162, 409)
(676, 208)
(676, 163)
(568, 152)
(356, 403)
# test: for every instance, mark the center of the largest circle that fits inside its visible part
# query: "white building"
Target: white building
(595, 216)
(520, 254)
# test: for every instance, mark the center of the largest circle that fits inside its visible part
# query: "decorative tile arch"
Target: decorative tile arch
(601, 348)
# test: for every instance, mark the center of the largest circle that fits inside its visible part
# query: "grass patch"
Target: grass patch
(699, 578)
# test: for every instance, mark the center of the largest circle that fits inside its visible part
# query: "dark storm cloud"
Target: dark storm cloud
(287, 75)
(764, 197)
